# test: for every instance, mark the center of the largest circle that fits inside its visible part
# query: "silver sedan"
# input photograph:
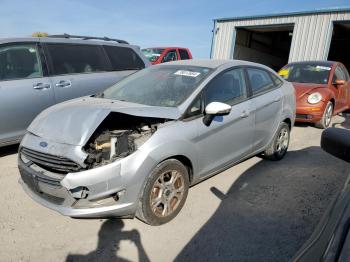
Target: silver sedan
(137, 147)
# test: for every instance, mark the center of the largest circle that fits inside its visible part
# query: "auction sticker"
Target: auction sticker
(323, 68)
(186, 73)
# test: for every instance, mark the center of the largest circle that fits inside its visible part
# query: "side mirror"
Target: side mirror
(339, 82)
(215, 109)
(336, 141)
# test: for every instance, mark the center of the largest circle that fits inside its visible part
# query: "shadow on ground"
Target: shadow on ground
(8, 150)
(109, 238)
(271, 210)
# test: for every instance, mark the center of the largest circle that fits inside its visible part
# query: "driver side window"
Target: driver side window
(229, 87)
(170, 56)
(338, 74)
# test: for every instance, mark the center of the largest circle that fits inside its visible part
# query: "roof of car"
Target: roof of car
(62, 40)
(210, 63)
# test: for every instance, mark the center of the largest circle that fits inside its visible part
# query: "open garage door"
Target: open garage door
(268, 45)
(340, 44)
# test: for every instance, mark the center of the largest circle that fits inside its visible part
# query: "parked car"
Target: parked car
(322, 90)
(36, 73)
(331, 239)
(138, 146)
(157, 55)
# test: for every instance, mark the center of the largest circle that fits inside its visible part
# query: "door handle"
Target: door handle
(64, 83)
(41, 86)
(245, 114)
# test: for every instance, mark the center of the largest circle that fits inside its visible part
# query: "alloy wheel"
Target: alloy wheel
(328, 115)
(167, 193)
(282, 141)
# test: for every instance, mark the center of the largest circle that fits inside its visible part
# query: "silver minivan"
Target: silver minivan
(36, 73)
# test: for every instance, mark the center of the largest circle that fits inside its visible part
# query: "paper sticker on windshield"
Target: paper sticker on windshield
(187, 73)
(323, 68)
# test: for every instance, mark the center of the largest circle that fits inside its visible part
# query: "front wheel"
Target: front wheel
(164, 193)
(279, 145)
(326, 117)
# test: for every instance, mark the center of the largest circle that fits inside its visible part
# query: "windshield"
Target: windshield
(152, 54)
(306, 73)
(163, 85)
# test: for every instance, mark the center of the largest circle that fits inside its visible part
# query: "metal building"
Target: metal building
(277, 39)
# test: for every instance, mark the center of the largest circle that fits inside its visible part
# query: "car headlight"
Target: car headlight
(314, 98)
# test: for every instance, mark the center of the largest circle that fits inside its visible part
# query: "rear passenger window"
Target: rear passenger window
(183, 54)
(260, 80)
(19, 62)
(76, 59)
(278, 82)
(229, 87)
(124, 58)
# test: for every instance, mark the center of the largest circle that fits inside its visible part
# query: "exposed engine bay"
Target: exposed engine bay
(118, 136)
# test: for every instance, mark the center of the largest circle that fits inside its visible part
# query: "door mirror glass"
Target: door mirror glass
(215, 109)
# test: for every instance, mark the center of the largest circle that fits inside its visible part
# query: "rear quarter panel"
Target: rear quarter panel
(289, 102)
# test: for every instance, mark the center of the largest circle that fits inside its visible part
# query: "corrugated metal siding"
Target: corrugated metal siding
(311, 36)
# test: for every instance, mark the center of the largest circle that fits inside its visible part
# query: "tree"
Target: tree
(40, 34)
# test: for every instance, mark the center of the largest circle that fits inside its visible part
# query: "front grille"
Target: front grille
(50, 162)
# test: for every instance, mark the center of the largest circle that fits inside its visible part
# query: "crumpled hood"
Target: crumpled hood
(73, 122)
(305, 88)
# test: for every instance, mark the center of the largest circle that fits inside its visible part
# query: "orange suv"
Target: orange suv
(322, 89)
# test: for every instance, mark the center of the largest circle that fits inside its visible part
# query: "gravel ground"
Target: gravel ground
(255, 211)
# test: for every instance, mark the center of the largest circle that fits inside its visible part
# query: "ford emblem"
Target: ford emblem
(43, 144)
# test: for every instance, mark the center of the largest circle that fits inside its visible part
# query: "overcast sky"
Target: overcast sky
(144, 23)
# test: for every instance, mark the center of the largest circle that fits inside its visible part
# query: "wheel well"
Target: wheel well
(333, 102)
(186, 162)
(288, 122)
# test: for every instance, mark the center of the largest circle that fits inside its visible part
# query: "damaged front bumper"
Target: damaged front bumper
(111, 190)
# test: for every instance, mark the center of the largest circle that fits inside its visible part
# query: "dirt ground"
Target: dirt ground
(255, 211)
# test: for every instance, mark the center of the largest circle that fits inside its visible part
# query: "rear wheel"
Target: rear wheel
(164, 194)
(279, 145)
(326, 117)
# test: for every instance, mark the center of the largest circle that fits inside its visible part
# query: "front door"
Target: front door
(341, 91)
(228, 138)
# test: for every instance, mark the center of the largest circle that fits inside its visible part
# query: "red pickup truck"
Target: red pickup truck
(157, 55)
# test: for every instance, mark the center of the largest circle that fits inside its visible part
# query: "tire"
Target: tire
(279, 145)
(161, 200)
(326, 117)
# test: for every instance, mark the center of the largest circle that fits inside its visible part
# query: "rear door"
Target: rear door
(24, 89)
(79, 70)
(267, 98)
